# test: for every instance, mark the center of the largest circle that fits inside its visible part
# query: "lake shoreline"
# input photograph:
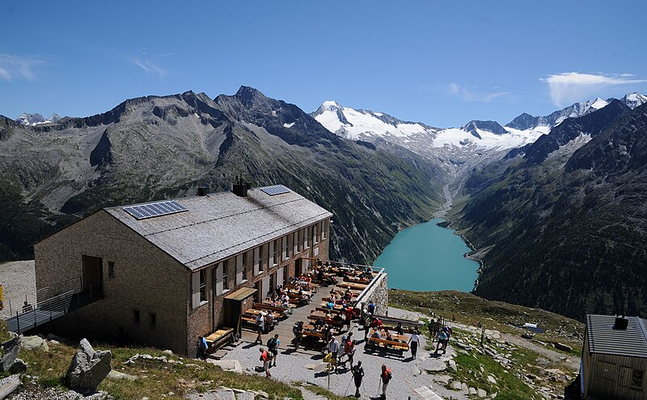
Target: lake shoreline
(474, 254)
(426, 258)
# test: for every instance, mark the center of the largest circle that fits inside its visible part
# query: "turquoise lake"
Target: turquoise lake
(427, 257)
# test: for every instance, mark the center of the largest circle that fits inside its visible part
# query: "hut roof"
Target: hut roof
(198, 231)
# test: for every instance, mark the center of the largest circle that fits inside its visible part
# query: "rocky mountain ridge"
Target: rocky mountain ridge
(159, 147)
(563, 221)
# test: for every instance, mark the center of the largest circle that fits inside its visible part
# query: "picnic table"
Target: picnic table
(219, 338)
(391, 342)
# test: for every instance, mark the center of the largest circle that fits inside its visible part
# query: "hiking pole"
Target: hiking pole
(351, 381)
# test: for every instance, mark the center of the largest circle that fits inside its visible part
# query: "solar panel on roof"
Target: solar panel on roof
(276, 189)
(155, 209)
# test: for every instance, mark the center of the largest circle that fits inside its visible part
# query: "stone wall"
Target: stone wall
(146, 292)
(379, 294)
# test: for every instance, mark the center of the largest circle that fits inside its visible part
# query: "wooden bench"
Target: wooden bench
(219, 338)
(375, 343)
(280, 310)
(333, 311)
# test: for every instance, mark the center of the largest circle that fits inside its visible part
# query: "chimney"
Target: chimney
(621, 323)
(202, 191)
(240, 187)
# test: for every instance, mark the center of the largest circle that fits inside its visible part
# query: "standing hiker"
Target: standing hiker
(260, 327)
(414, 341)
(385, 377)
(358, 374)
(273, 346)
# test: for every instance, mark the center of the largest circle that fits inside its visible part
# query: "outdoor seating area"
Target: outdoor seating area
(320, 310)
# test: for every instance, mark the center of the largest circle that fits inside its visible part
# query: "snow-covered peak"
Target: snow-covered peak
(633, 100)
(36, 119)
(362, 124)
(598, 103)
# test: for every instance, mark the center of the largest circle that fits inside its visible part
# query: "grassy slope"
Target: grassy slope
(475, 366)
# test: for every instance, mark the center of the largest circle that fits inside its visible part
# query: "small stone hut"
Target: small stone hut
(614, 358)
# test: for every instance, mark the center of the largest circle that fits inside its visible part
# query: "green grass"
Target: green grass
(470, 310)
(156, 379)
(508, 386)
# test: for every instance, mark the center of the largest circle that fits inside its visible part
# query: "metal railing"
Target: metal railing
(30, 317)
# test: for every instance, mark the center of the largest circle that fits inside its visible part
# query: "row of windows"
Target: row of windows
(269, 254)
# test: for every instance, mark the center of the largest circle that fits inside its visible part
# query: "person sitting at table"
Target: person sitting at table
(399, 329)
(330, 305)
(348, 295)
(319, 323)
(376, 334)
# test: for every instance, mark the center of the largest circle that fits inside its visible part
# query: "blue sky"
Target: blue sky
(438, 62)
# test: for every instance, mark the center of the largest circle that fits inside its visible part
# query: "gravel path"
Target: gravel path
(308, 367)
(18, 281)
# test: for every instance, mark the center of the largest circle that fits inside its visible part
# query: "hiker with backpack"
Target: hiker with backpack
(273, 347)
(385, 377)
(443, 339)
(266, 358)
(358, 374)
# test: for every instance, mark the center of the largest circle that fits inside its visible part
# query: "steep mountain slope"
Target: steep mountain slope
(159, 147)
(563, 228)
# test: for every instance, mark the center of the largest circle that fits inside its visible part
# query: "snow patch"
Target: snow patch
(290, 125)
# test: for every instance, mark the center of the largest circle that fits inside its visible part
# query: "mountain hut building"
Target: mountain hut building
(614, 358)
(159, 273)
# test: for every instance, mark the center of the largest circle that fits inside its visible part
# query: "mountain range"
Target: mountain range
(548, 201)
(161, 147)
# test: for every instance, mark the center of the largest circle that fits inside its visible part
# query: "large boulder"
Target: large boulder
(8, 385)
(34, 343)
(10, 350)
(88, 368)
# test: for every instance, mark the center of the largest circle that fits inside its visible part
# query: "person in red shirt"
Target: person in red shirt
(385, 377)
(265, 357)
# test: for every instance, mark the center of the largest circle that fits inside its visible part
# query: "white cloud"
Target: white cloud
(570, 87)
(149, 67)
(470, 94)
(12, 67)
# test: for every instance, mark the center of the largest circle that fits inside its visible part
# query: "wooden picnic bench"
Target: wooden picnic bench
(280, 310)
(219, 338)
(398, 347)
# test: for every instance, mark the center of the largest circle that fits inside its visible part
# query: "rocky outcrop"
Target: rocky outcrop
(88, 368)
(10, 350)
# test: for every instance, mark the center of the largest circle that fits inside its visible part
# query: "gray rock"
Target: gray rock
(8, 385)
(18, 366)
(444, 379)
(116, 375)
(563, 347)
(88, 368)
(455, 385)
(226, 394)
(11, 348)
(452, 365)
(481, 393)
(34, 343)
(491, 379)
(471, 391)
(246, 396)
(228, 365)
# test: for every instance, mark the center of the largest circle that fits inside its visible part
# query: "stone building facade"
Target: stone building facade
(163, 269)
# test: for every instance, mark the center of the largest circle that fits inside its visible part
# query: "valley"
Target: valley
(531, 226)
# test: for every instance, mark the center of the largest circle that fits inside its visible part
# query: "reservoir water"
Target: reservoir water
(427, 257)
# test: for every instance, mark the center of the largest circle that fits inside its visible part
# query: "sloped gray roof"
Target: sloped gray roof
(220, 225)
(603, 339)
